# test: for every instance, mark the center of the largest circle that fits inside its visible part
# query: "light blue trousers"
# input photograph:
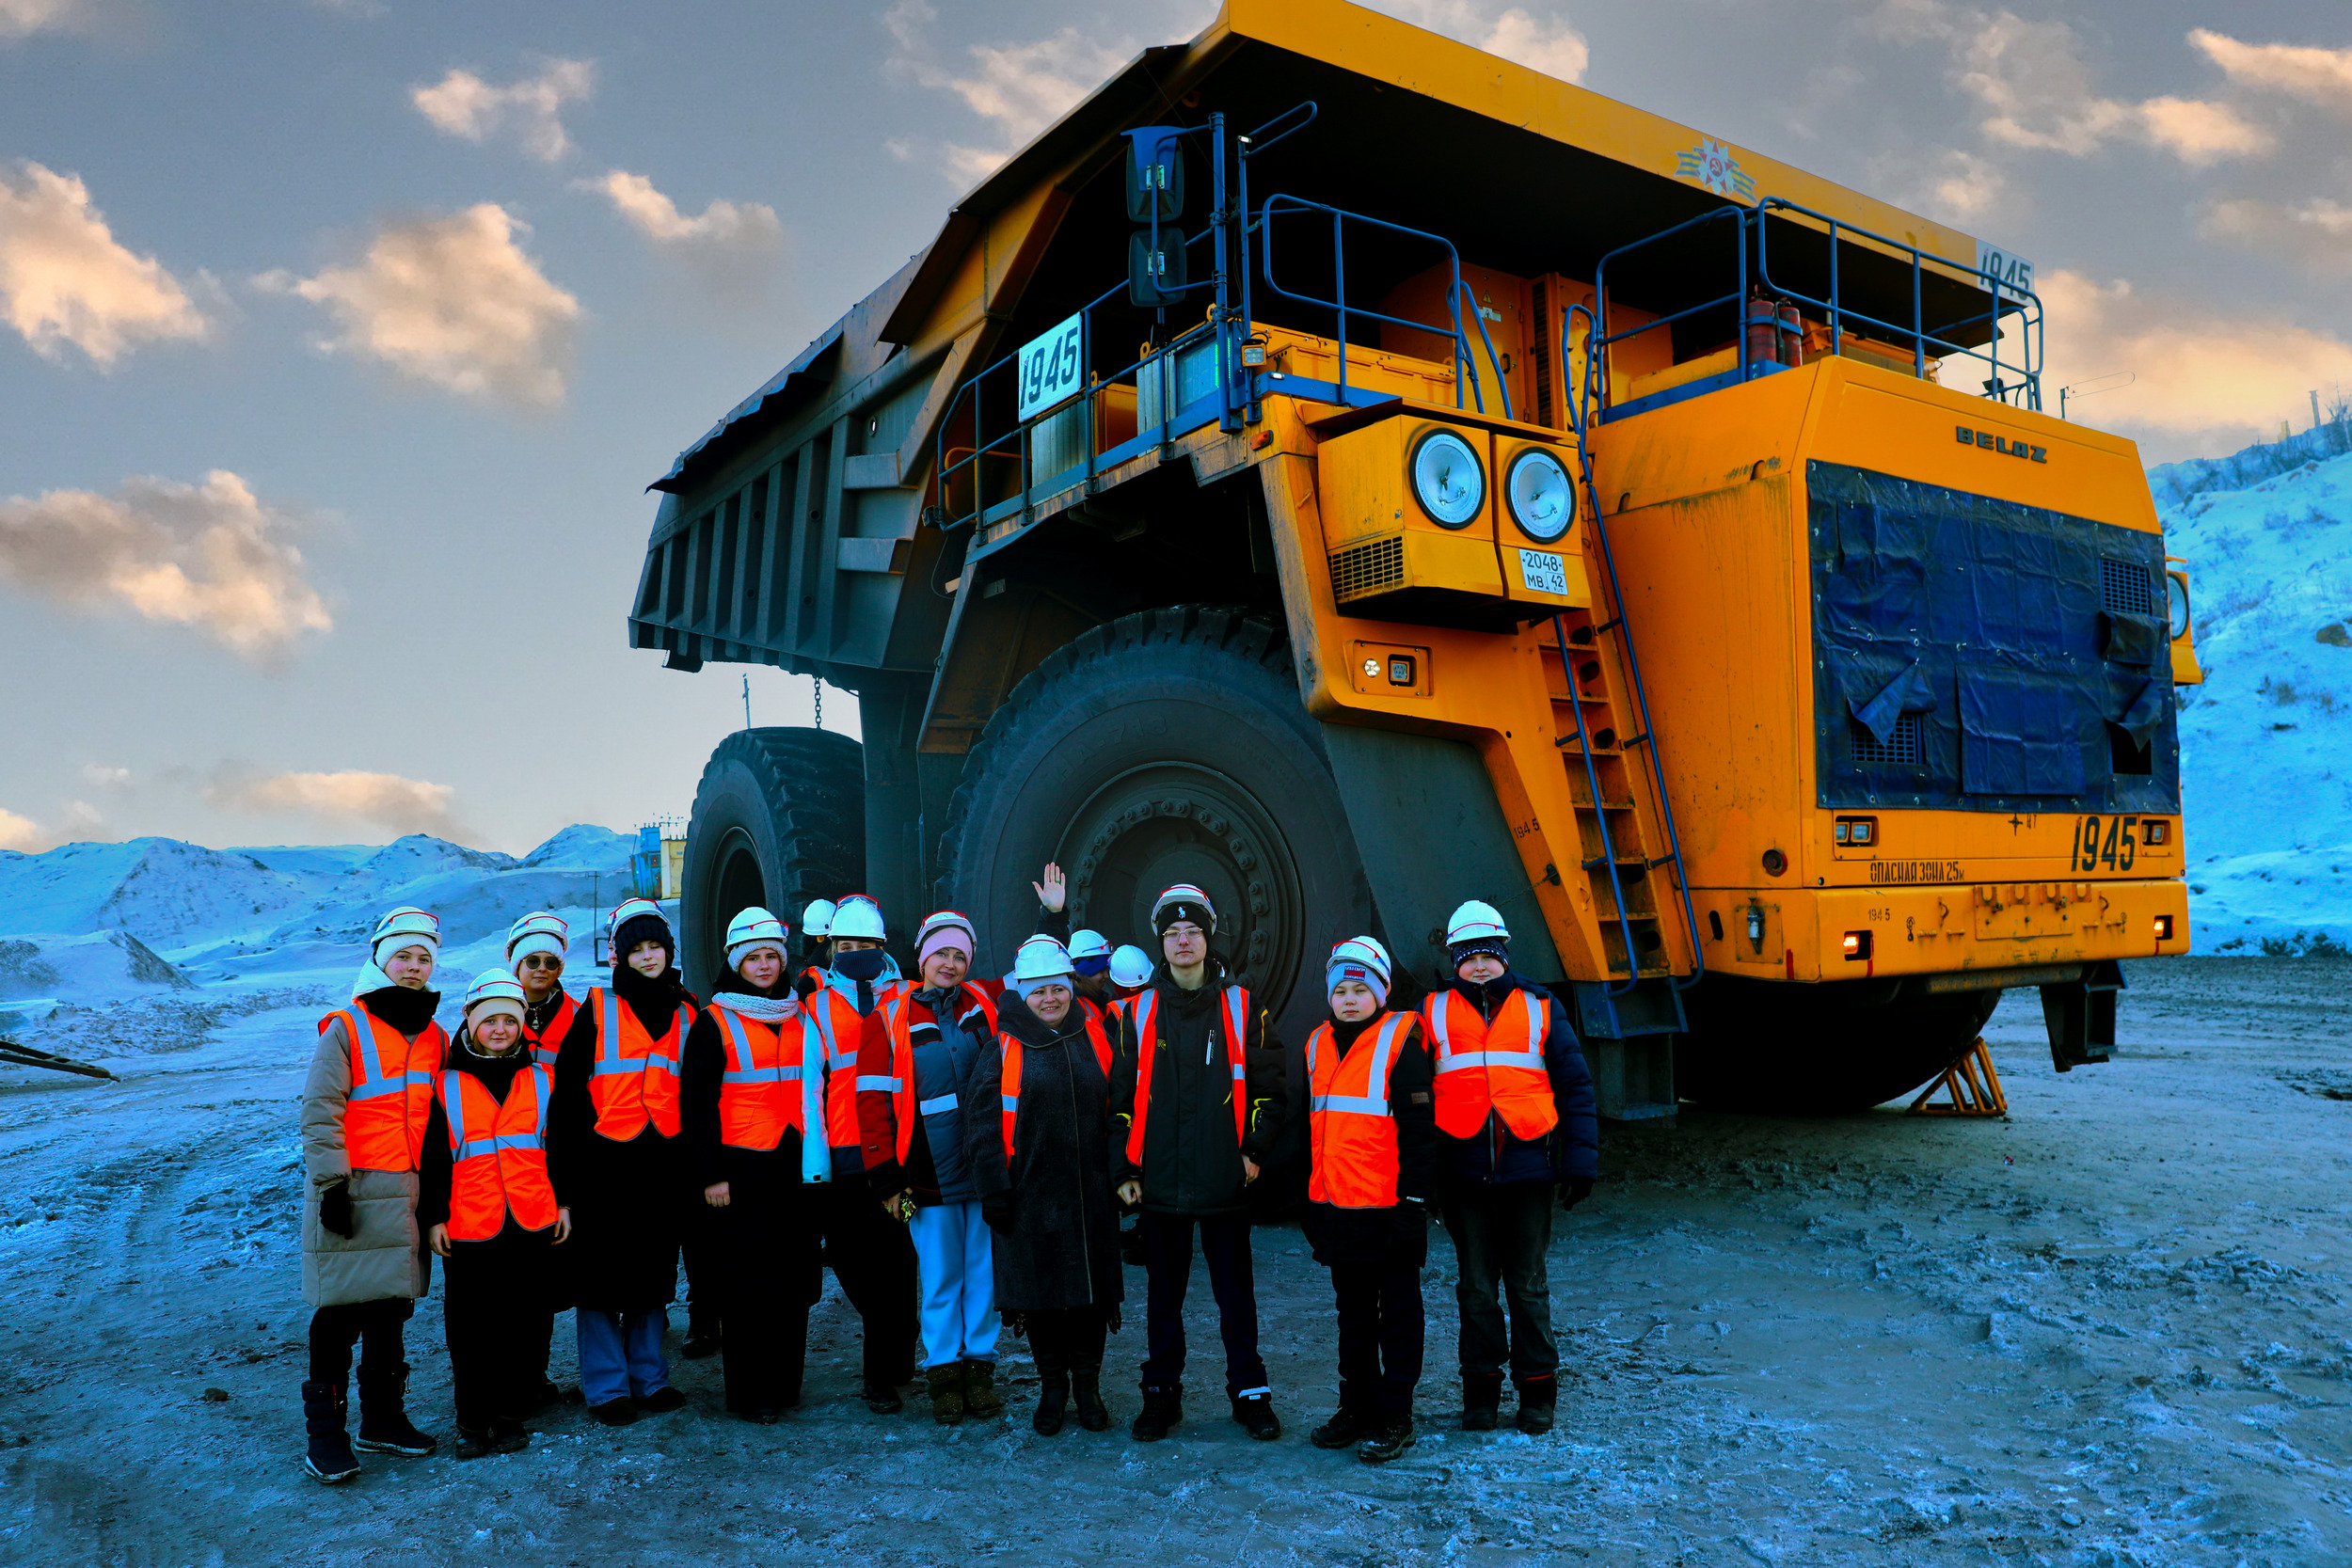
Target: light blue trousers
(621, 1354)
(957, 1270)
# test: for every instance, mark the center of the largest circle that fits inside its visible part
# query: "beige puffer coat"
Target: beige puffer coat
(386, 1256)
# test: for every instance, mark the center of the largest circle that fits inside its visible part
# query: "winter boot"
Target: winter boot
(1087, 1388)
(1346, 1428)
(1163, 1407)
(947, 1393)
(1539, 1398)
(662, 1401)
(473, 1442)
(1255, 1414)
(329, 1458)
(980, 1398)
(383, 1426)
(509, 1437)
(1482, 1401)
(702, 1342)
(1391, 1439)
(1052, 1402)
(614, 1413)
(881, 1398)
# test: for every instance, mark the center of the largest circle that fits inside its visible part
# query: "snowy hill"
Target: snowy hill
(79, 921)
(2266, 741)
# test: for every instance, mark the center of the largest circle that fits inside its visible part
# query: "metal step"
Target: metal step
(1652, 1006)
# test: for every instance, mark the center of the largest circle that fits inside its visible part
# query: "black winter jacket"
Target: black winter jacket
(1493, 1156)
(1191, 1164)
(1063, 1248)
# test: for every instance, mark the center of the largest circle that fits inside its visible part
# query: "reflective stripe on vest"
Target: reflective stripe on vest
(544, 1047)
(635, 1079)
(390, 1098)
(1491, 1068)
(900, 1086)
(755, 1107)
(1351, 1135)
(497, 1153)
(835, 1017)
(1011, 1087)
(1235, 1006)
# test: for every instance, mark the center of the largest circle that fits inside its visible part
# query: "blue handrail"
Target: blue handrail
(1463, 373)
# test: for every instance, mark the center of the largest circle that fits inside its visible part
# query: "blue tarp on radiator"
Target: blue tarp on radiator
(1964, 657)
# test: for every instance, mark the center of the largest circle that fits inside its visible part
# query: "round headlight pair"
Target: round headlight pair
(1451, 486)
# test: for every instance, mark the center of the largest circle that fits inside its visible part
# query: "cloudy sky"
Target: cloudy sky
(339, 337)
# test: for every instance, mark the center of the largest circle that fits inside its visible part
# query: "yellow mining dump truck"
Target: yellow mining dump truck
(1354, 473)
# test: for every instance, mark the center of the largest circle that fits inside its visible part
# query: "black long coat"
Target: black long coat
(1062, 1249)
(628, 1201)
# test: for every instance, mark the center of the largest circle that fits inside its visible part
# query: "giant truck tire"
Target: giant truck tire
(779, 819)
(1166, 746)
(1818, 1050)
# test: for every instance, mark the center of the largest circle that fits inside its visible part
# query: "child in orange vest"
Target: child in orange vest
(1373, 1135)
(491, 1214)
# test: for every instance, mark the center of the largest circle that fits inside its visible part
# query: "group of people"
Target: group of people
(958, 1150)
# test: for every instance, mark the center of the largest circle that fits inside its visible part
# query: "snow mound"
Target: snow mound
(107, 966)
(2266, 741)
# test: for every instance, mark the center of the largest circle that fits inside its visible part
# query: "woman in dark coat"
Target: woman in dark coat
(1049, 1201)
(627, 1192)
(743, 1141)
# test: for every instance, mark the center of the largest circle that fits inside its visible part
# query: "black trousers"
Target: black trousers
(763, 1250)
(1068, 1338)
(1168, 1265)
(375, 1327)
(495, 1307)
(699, 1249)
(1381, 1325)
(1500, 1234)
(872, 1256)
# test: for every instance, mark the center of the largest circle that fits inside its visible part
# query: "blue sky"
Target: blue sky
(338, 340)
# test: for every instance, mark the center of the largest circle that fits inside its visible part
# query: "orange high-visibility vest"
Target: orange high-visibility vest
(900, 1083)
(1011, 1087)
(760, 1091)
(544, 1045)
(498, 1154)
(636, 1077)
(1492, 1067)
(1350, 1126)
(1146, 1013)
(391, 1090)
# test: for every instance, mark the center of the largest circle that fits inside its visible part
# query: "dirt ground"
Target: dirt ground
(2110, 1329)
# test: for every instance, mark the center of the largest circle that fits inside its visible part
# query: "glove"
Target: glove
(335, 1209)
(1575, 1190)
(996, 1210)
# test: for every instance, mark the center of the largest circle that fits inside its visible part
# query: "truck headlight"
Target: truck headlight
(1543, 502)
(1447, 480)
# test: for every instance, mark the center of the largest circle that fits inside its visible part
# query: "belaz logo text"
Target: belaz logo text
(2002, 444)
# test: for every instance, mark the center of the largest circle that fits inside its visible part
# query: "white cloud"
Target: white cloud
(100, 776)
(64, 278)
(2200, 132)
(1966, 186)
(1019, 88)
(453, 301)
(23, 18)
(21, 833)
(209, 556)
(1540, 43)
(2317, 233)
(2204, 380)
(2322, 76)
(731, 246)
(462, 104)
(379, 800)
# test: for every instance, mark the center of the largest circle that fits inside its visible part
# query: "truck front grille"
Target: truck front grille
(1360, 570)
(2128, 588)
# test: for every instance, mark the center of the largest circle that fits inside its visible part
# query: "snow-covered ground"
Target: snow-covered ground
(2266, 741)
(2107, 1330)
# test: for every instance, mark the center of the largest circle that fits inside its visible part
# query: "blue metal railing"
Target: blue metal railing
(1755, 285)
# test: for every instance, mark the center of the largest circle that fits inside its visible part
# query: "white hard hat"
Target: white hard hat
(495, 990)
(1475, 921)
(1183, 902)
(540, 931)
(1040, 958)
(857, 917)
(1089, 944)
(405, 926)
(945, 920)
(1130, 967)
(755, 928)
(1363, 953)
(817, 920)
(631, 908)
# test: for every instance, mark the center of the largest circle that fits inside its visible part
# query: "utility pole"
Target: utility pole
(747, 679)
(2314, 408)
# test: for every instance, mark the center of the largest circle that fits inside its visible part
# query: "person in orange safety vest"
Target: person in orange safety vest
(536, 947)
(1514, 1122)
(491, 1214)
(364, 1108)
(1371, 1166)
(613, 1152)
(752, 1085)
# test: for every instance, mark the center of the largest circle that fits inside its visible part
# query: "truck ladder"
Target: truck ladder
(1631, 857)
